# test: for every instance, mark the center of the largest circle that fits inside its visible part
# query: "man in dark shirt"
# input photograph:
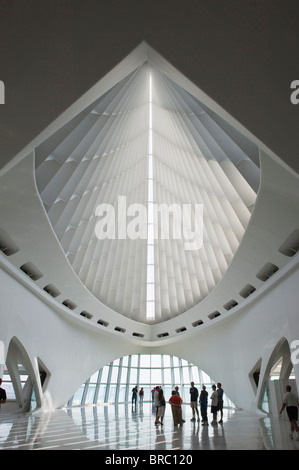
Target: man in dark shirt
(193, 400)
(220, 402)
(134, 395)
(2, 394)
(203, 399)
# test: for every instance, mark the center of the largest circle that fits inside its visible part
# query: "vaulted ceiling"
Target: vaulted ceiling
(147, 141)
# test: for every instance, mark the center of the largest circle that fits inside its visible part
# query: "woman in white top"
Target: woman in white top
(291, 402)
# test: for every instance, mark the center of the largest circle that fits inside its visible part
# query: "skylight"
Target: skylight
(150, 292)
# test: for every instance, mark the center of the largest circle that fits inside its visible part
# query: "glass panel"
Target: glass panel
(150, 276)
(133, 377)
(166, 360)
(167, 376)
(156, 360)
(186, 377)
(145, 376)
(122, 393)
(101, 396)
(150, 309)
(94, 377)
(125, 361)
(150, 254)
(145, 360)
(123, 377)
(175, 361)
(134, 361)
(177, 379)
(150, 291)
(114, 375)
(156, 376)
(195, 374)
(105, 374)
(150, 234)
(90, 394)
(112, 392)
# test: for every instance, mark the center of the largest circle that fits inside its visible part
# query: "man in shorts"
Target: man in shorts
(214, 404)
(291, 402)
(193, 401)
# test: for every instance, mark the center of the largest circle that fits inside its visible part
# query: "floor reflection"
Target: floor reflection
(123, 427)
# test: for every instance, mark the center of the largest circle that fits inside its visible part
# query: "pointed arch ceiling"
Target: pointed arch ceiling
(148, 139)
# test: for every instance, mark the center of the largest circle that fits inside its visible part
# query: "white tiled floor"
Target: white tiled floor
(120, 428)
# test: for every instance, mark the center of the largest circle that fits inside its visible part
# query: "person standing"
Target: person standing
(291, 402)
(220, 402)
(141, 395)
(193, 401)
(134, 395)
(176, 408)
(176, 389)
(161, 406)
(156, 401)
(203, 399)
(214, 403)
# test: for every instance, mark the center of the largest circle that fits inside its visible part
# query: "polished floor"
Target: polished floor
(123, 428)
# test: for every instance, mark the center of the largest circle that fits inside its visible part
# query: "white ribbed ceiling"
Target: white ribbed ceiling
(147, 139)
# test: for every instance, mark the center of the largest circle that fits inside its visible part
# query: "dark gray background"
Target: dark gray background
(243, 53)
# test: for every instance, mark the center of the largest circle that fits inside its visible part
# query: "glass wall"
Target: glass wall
(114, 383)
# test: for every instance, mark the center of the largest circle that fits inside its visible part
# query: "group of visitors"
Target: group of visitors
(290, 403)
(216, 403)
(176, 404)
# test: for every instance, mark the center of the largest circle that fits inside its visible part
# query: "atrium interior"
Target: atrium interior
(149, 236)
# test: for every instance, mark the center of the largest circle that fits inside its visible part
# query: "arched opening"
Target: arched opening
(278, 374)
(24, 382)
(114, 382)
